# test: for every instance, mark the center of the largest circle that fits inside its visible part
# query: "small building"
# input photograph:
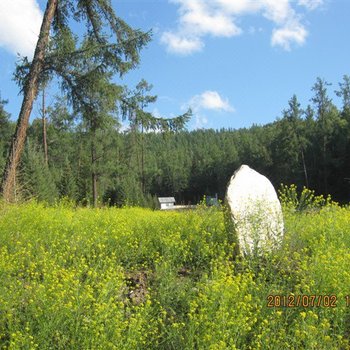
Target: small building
(212, 201)
(166, 202)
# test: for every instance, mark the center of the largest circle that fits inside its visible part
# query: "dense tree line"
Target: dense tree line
(85, 67)
(306, 146)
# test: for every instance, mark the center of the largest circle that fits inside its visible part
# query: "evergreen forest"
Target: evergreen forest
(306, 146)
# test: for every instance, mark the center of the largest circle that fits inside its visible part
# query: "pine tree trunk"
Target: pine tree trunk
(142, 163)
(304, 167)
(46, 155)
(94, 189)
(325, 170)
(30, 93)
(93, 172)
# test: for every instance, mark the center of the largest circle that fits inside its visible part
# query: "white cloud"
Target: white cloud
(310, 4)
(198, 17)
(200, 122)
(290, 33)
(210, 100)
(181, 45)
(239, 7)
(219, 18)
(278, 11)
(20, 22)
(207, 101)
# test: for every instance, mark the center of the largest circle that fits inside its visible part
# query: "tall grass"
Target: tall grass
(140, 279)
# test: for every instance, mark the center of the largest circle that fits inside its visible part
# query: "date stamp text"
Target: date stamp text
(304, 301)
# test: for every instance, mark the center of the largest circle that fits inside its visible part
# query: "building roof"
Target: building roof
(166, 200)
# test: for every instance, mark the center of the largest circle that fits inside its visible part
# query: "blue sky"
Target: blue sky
(235, 62)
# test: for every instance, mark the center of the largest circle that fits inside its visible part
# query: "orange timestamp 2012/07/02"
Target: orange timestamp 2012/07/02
(304, 300)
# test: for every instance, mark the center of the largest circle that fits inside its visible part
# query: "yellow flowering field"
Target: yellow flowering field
(80, 278)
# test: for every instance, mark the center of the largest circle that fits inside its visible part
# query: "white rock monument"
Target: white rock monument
(255, 210)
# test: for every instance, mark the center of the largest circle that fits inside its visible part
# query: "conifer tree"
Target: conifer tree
(109, 47)
(5, 132)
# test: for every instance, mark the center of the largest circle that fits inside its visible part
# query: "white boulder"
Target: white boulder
(255, 210)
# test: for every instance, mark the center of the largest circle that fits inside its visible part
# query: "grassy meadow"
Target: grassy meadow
(131, 278)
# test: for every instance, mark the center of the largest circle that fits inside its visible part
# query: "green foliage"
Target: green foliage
(35, 177)
(84, 65)
(306, 200)
(5, 132)
(344, 92)
(304, 148)
(138, 279)
(67, 185)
